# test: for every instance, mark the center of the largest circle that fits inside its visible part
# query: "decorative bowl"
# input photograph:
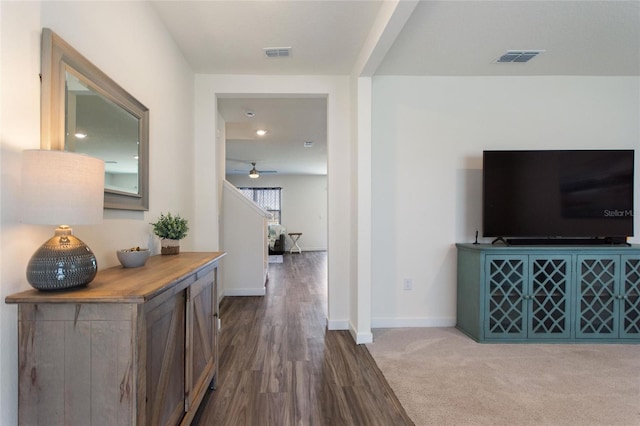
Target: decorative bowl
(133, 257)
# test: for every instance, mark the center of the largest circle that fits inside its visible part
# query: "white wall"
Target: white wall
(244, 238)
(130, 44)
(440, 126)
(361, 232)
(304, 205)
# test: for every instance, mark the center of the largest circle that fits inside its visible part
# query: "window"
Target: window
(267, 198)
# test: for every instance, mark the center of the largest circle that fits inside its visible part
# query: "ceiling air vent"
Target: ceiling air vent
(277, 52)
(519, 55)
(308, 144)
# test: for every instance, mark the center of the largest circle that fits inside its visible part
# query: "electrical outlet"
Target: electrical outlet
(407, 284)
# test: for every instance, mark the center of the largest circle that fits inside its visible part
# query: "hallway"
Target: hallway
(280, 366)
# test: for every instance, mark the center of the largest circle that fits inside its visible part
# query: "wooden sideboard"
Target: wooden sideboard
(135, 347)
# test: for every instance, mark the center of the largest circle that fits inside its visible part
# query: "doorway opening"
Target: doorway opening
(289, 154)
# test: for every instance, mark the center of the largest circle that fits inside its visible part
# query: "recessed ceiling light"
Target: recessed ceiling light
(80, 135)
(250, 114)
(261, 132)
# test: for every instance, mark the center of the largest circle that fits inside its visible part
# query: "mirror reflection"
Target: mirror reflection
(98, 127)
(83, 110)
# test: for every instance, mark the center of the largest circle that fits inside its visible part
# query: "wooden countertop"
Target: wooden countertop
(126, 285)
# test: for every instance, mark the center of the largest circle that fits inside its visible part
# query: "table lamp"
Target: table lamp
(62, 187)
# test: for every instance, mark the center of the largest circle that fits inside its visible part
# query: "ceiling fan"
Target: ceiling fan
(255, 173)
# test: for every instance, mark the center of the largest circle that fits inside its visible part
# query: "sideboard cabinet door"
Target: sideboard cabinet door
(78, 350)
(165, 359)
(597, 308)
(630, 297)
(549, 297)
(505, 284)
(201, 337)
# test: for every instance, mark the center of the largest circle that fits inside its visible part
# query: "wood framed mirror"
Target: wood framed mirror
(85, 111)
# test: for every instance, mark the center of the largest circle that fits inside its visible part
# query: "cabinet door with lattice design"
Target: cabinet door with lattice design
(597, 306)
(548, 297)
(630, 297)
(505, 283)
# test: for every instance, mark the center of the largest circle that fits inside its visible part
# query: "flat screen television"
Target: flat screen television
(555, 195)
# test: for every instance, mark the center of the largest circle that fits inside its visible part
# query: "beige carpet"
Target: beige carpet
(442, 377)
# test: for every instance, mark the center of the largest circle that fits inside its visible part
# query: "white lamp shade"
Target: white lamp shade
(60, 187)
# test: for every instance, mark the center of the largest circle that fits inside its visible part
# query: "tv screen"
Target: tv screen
(558, 194)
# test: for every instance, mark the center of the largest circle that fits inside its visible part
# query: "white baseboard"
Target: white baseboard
(361, 338)
(245, 292)
(337, 324)
(412, 322)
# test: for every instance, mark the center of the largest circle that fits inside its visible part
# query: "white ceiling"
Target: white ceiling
(228, 37)
(466, 37)
(290, 122)
(440, 38)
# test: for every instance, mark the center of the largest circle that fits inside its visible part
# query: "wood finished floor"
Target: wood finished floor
(280, 366)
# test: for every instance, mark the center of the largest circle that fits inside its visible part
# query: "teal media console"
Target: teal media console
(549, 293)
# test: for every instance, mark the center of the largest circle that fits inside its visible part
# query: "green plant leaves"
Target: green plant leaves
(171, 227)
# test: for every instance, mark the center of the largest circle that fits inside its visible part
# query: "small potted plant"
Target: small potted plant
(171, 229)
